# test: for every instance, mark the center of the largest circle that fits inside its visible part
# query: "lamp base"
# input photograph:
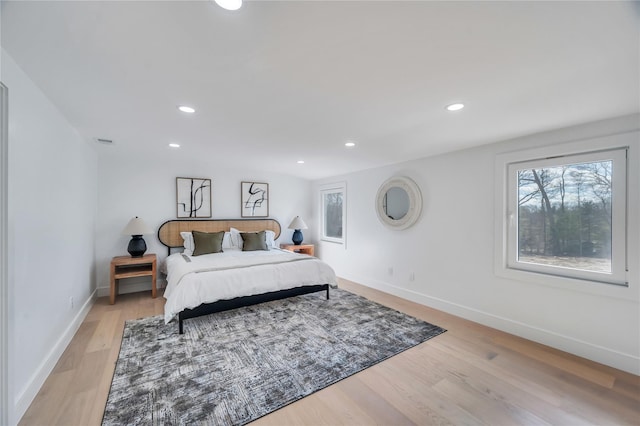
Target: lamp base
(137, 246)
(297, 237)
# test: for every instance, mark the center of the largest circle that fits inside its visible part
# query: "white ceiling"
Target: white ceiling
(276, 82)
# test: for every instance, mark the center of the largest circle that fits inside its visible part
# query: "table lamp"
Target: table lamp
(297, 224)
(136, 228)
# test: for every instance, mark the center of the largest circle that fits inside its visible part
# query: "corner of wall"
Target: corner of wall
(26, 395)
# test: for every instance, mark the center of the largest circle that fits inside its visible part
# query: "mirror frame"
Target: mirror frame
(415, 202)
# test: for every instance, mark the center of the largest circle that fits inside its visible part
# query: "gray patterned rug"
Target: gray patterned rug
(236, 366)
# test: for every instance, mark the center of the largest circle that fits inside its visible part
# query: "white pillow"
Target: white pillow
(190, 245)
(271, 238)
(236, 239)
(227, 243)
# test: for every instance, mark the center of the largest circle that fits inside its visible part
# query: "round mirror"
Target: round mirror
(396, 203)
(399, 203)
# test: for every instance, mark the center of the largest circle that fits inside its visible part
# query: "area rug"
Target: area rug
(233, 367)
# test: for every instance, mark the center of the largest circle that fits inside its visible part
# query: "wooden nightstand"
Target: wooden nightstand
(302, 248)
(129, 267)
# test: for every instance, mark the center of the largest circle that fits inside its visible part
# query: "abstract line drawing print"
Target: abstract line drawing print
(254, 199)
(193, 197)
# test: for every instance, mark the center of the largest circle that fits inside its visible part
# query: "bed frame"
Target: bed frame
(169, 235)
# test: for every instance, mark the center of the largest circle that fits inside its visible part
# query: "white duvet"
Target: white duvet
(193, 280)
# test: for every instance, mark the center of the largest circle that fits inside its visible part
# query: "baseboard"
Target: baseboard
(37, 379)
(603, 355)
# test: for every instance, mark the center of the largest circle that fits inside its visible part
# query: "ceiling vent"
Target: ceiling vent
(104, 141)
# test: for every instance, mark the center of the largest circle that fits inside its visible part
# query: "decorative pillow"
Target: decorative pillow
(237, 241)
(189, 245)
(207, 242)
(252, 241)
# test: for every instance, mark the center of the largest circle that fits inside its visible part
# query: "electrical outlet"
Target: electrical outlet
(412, 276)
(71, 302)
(390, 270)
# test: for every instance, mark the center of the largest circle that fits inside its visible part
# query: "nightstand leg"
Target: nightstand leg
(112, 295)
(153, 280)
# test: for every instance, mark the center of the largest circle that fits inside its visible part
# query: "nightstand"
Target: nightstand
(129, 267)
(301, 248)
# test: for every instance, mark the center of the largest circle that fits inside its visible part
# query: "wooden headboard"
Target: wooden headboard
(169, 232)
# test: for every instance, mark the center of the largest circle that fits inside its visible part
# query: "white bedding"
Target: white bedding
(234, 273)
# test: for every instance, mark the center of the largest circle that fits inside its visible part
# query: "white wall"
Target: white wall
(52, 202)
(451, 252)
(146, 187)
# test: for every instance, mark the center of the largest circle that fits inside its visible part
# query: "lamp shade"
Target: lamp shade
(297, 223)
(137, 226)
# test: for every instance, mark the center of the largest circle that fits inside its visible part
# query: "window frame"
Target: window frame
(338, 187)
(618, 216)
(502, 218)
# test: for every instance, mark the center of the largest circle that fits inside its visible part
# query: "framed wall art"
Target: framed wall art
(193, 197)
(254, 198)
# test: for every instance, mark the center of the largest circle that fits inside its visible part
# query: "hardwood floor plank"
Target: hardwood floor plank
(103, 334)
(486, 406)
(415, 395)
(73, 354)
(47, 403)
(488, 381)
(75, 411)
(628, 386)
(345, 406)
(563, 362)
(455, 346)
(580, 397)
(371, 403)
(310, 410)
(469, 375)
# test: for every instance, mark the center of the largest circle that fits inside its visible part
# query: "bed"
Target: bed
(202, 284)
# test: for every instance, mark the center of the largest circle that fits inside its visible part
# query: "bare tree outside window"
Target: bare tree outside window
(333, 220)
(564, 216)
(333, 214)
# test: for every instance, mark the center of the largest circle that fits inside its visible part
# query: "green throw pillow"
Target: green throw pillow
(207, 242)
(253, 241)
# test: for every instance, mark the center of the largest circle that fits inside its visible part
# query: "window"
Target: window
(566, 216)
(333, 205)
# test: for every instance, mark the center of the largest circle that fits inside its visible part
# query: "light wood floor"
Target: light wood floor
(469, 375)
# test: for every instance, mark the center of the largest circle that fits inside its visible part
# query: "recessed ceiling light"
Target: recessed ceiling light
(349, 144)
(455, 107)
(300, 161)
(229, 4)
(174, 145)
(186, 109)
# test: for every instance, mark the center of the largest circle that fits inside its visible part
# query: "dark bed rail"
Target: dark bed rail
(225, 305)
